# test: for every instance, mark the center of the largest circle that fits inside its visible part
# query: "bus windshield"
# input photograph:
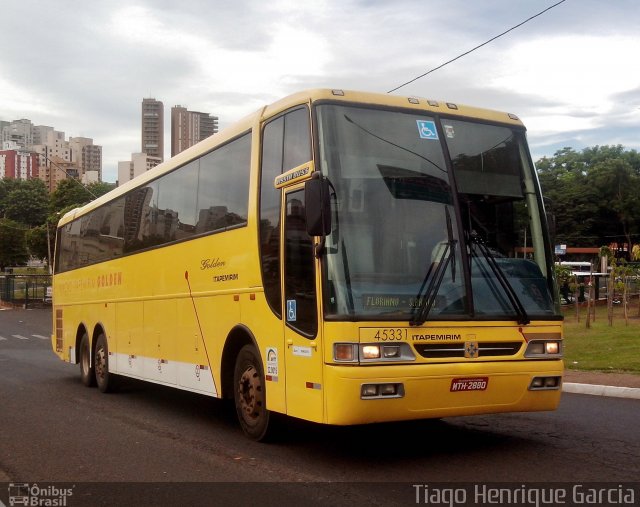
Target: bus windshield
(403, 246)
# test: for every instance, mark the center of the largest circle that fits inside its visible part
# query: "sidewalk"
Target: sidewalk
(619, 385)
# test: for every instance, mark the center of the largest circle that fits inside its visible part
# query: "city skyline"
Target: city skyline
(41, 151)
(23, 138)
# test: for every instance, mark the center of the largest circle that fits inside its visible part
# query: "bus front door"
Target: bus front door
(302, 336)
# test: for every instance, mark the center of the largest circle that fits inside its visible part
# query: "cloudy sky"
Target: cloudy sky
(83, 67)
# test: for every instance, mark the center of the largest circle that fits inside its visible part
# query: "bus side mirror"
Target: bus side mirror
(317, 206)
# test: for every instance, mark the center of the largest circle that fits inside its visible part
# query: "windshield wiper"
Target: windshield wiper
(523, 317)
(448, 256)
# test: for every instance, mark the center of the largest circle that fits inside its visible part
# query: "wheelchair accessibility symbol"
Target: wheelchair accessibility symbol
(427, 129)
(291, 310)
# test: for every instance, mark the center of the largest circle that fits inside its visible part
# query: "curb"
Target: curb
(596, 390)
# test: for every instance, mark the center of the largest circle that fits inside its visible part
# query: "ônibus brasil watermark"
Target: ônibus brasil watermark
(33, 495)
(525, 495)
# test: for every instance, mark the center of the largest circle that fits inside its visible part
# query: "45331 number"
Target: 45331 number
(390, 334)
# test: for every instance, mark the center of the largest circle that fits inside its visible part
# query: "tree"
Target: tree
(99, 188)
(594, 194)
(27, 202)
(635, 256)
(619, 200)
(36, 239)
(13, 248)
(69, 193)
(6, 186)
(565, 186)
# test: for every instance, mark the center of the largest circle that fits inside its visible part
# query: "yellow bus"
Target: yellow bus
(337, 256)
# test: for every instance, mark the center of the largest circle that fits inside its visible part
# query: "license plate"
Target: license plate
(469, 384)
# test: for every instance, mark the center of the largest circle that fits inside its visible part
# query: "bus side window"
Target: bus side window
(286, 143)
(223, 189)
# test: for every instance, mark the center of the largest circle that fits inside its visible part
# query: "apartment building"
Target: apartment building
(189, 128)
(88, 157)
(17, 163)
(153, 128)
(139, 164)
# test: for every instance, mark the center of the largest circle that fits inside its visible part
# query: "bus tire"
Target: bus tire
(104, 379)
(87, 372)
(249, 394)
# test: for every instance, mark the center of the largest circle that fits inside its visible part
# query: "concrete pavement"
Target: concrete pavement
(617, 385)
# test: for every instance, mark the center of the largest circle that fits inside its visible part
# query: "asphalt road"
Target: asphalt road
(55, 430)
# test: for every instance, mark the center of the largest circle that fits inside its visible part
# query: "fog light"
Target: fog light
(345, 352)
(388, 389)
(371, 351)
(544, 383)
(552, 347)
(382, 391)
(369, 390)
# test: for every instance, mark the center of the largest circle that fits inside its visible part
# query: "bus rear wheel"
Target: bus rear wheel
(249, 394)
(87, 372)
(104, 379)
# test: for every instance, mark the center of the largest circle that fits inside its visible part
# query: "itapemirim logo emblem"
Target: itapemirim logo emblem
(471, 350)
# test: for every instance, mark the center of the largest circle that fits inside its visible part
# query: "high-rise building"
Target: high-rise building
(87, 156)
(42, 133)
(139, 164)
(55, 158)
(189, 128)
(18, 164)
(19, 132)
(56, 170)
(153, 128)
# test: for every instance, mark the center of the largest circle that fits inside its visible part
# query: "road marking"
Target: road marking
(2, 338)
(40, 336)
(19, 337)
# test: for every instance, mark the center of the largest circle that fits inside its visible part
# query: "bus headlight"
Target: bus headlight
(386, 352)
(370, 351)
(542, 349)
(390, 351)
(551, 347)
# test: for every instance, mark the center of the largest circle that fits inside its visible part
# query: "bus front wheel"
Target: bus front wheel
(87, 372)
(104, 379)
(249, 394)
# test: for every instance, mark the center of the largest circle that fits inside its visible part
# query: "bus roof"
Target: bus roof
(303, 97)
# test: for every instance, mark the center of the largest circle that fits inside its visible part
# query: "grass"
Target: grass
(602, 347)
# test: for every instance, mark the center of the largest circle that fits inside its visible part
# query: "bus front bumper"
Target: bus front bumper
(437, 390)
